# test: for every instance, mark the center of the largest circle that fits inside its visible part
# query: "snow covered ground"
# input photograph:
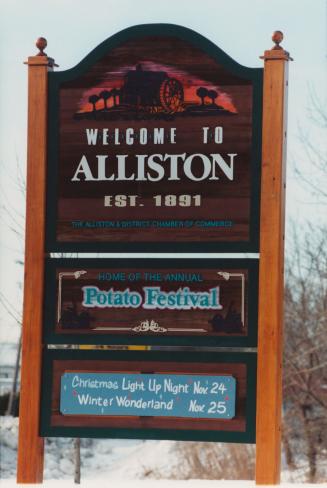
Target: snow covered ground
(133, 463)
(107, 483)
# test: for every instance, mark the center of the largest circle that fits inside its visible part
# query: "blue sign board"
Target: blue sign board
(158, 395)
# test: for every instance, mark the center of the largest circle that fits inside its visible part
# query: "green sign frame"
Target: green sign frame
(141, 358)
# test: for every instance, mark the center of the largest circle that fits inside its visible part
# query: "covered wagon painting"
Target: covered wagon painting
(152, 90)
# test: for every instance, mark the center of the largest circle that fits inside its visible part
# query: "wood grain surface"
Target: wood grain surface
(30, 445)
(271, 269)
(221, 200)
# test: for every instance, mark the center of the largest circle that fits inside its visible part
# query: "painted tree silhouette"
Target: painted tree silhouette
(213, 95)
(202, 92)
(114, 93)
(93, 99)
(105, 95)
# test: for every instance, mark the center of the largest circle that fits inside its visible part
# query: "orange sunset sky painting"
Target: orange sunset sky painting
(115, 79)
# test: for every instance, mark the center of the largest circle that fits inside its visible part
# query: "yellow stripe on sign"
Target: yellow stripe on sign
(130, 348)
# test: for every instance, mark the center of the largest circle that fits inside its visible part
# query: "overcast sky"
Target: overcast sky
(242, 28)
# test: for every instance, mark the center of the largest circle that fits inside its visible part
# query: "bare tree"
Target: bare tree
(314, 150)
(305, 368)
(14, 221)
(305, 371)
(205, 460)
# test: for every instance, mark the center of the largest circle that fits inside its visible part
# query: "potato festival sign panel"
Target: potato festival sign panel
(151, 301)
(154, 144)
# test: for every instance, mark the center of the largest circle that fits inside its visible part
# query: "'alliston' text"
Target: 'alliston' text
(155, 167)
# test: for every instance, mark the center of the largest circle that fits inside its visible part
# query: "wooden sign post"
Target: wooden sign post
(30, 447)
(271, 266)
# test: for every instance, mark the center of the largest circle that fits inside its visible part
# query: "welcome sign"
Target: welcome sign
(151, 301)
(154, 144)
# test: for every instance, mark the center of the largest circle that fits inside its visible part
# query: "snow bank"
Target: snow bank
(8, 446)
(105, 483)
(128, 463)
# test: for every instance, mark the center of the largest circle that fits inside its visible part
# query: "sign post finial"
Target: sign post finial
(41, 44)
(277, 52)
(41, 58)
(277, 38)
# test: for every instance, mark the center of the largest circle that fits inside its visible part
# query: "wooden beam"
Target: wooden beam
(271, 268)
(30, 445)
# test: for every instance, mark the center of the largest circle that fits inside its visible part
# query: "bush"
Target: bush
(4, 399)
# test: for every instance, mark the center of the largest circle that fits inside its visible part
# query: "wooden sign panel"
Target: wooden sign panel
(138, 301)
(154, 144)
(205, 416)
